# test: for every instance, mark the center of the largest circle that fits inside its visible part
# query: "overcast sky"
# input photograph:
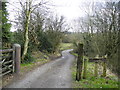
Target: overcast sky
(71, 9)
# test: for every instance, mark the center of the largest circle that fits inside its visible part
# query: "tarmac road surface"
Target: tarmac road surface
(55, 74)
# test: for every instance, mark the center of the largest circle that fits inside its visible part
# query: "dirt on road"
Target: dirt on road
(55, 74)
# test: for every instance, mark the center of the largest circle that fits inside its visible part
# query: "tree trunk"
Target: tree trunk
(26, 34)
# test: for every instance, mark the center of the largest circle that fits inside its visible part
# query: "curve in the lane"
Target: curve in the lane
(56, 74)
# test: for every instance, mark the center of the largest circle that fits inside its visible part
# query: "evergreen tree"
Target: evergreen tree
(6, 34)
(0, 24)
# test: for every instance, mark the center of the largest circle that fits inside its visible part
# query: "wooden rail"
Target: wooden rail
(96, 59)
(6, 51)
(82, 64)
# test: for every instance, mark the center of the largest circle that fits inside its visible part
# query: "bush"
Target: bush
(28, 58)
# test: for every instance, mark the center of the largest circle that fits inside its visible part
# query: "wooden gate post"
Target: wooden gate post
(104, 68)
(16, 58)
(85, 69)
(96, 69)
(79, 62)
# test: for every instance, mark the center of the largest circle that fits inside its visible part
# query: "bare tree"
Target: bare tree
(24, 18)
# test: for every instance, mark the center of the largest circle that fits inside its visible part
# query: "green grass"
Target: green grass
(110, 81)
(42, 61)
(65, 46)
(42, 58)
(28, 66)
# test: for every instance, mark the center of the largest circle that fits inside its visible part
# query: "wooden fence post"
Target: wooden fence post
(85, 69)
(16, 58)
(96, 69)
(79, 62)
(104, 68)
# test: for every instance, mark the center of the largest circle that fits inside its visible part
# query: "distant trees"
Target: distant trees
(54, 31)
(46, 32)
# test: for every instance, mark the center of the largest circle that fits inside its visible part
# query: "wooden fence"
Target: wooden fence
(82, 64)
(97, 61)
(10, 60)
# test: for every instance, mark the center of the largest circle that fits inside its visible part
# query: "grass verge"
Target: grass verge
(65, 46)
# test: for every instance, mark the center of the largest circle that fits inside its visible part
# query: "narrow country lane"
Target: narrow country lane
(56, 74)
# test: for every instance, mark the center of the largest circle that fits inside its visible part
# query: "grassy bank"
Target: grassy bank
(65, 46)
(110, 81)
